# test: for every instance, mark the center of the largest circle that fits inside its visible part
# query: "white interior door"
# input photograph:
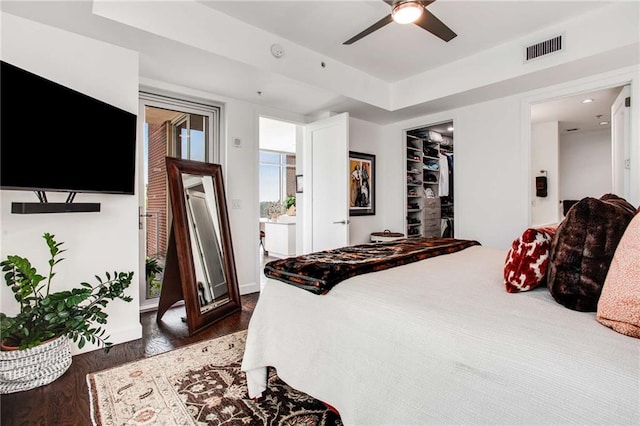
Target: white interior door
(326, 157)
(620, 144)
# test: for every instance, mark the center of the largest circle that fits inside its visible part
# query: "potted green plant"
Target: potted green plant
(290, 205)
(152, 269)
(48, 320)
(289, 201)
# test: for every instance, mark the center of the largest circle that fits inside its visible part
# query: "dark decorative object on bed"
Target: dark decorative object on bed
(583, 247)
(319, 272)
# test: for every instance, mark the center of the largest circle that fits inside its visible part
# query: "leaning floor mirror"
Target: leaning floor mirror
(200, 267)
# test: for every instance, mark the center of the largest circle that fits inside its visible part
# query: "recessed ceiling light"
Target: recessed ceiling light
(586, 101)
(450, 129)
(604, 123)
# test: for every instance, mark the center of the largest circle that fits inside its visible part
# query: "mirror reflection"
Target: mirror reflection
(204, 223)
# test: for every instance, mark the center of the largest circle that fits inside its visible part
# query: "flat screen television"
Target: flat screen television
(54, 138)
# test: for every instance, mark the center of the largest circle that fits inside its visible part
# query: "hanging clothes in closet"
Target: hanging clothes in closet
(446, 174)
(449, 156)
(443, 181)
(447, 195)
(447, 228)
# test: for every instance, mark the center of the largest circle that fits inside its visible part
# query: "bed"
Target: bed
(439, 341)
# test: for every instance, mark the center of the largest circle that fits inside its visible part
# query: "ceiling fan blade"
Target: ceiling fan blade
(429, 22)
(425, 3)
(381, 23)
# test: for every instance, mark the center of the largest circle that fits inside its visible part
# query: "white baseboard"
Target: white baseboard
(133, 332)
(249, 288)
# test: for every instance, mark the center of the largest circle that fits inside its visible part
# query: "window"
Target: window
(190, 132)
(277, 180)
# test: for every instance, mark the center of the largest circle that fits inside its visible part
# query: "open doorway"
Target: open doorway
(571, 152)
(277, 193)
(430, 181)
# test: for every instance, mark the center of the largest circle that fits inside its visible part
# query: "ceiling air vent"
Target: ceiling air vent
(543, 48)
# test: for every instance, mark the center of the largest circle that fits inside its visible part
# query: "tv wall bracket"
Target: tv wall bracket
(44, 206)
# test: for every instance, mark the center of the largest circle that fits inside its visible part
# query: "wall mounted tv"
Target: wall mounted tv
(54, 138)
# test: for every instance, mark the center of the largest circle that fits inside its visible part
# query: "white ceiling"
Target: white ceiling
(571, 113)
(396, 52)
(390, 54)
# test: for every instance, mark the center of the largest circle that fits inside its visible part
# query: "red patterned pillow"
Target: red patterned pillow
(526, 265)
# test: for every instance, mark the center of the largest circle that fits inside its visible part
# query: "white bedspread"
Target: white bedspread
(441, 342)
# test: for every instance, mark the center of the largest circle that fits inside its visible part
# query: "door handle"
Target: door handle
(141, 214)
(344, 222)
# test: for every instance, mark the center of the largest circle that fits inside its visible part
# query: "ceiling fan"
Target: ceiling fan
(409, 11)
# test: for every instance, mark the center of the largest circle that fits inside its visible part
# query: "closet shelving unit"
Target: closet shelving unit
(428, 214)
(415, 192)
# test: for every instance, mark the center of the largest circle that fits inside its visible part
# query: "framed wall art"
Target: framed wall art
(362, 184)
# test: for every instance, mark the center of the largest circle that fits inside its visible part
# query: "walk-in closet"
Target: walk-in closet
(430, 185)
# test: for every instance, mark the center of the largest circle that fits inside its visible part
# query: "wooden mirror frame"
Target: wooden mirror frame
(179, 281)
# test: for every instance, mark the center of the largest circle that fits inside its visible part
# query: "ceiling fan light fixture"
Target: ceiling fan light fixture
(406, 12)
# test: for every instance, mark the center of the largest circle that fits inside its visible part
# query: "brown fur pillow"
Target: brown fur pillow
(583, 247)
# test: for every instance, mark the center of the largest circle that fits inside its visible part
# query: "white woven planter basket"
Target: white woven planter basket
(26, 369)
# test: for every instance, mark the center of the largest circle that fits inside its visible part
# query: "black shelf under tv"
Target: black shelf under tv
(35, 208)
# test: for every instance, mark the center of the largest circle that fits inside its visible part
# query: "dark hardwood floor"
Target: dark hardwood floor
(66, 400)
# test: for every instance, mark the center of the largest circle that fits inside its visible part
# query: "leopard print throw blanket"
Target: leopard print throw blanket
(319, 272)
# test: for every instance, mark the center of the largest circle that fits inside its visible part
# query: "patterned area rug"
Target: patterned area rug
(199, 384)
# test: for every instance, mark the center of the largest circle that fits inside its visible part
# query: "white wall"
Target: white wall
(490, 197)
(544, 156)
(109, 240)
(492, 170)
(492, 167)
(96, 242)
(585, 164)
(367, 138)
(241, 180)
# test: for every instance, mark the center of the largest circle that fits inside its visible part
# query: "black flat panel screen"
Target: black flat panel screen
(53, 138)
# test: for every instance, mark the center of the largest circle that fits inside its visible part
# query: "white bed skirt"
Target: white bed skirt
(440, 341)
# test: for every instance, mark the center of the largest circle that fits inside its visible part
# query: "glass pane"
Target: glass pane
(198, 145)
(188, 139)
(290, 188)
(291, 160)
(191, 136)
(269, 157)
(269, 187)
(183, 139)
